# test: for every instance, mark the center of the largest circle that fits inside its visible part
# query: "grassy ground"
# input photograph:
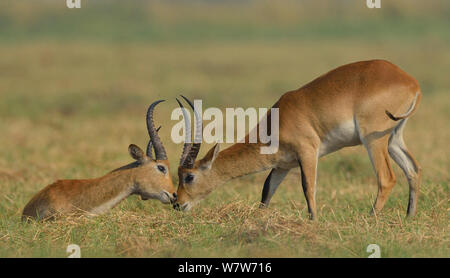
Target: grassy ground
(72, 99)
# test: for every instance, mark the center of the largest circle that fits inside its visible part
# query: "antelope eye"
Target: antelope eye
(189, 178)
(162, 169)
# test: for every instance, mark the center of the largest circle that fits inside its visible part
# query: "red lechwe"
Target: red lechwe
(147, 177)
(364, 103)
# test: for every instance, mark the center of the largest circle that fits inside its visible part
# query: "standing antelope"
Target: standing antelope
(350, 105)
(146, 177)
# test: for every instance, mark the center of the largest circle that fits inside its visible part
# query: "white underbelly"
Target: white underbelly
(344, 135)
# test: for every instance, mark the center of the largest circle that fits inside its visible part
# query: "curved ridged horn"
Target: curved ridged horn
(160, 152)
(150, 145)
(190, 153)
(187, 136)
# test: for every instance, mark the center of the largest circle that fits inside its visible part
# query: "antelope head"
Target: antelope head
(151, 174)
(196, 178)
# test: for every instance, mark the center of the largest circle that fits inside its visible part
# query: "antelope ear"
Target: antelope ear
(209, 158)
(136, 153)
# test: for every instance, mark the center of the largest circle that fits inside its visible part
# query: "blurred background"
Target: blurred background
(110, 59)
(75, 83)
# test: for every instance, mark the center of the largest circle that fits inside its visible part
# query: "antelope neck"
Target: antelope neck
(241, 159)
(110, 190)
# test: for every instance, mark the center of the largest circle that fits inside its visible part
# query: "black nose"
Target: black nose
(174, 198)
(176, 206)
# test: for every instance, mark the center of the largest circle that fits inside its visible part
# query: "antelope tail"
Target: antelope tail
(408, 113)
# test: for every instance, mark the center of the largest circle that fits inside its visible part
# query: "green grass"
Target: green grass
(73, 97)
(177, 22)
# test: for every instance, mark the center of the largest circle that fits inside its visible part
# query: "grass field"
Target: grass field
(75, 86)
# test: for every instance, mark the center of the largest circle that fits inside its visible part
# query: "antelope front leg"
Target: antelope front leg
(271, 184)
(308, 169)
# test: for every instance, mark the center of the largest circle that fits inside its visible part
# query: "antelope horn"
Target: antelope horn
(187, 136)
(194, 148)
(150, 145)
(160, 152)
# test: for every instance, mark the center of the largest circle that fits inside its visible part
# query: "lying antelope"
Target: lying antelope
(364, 103)
(147, 177)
